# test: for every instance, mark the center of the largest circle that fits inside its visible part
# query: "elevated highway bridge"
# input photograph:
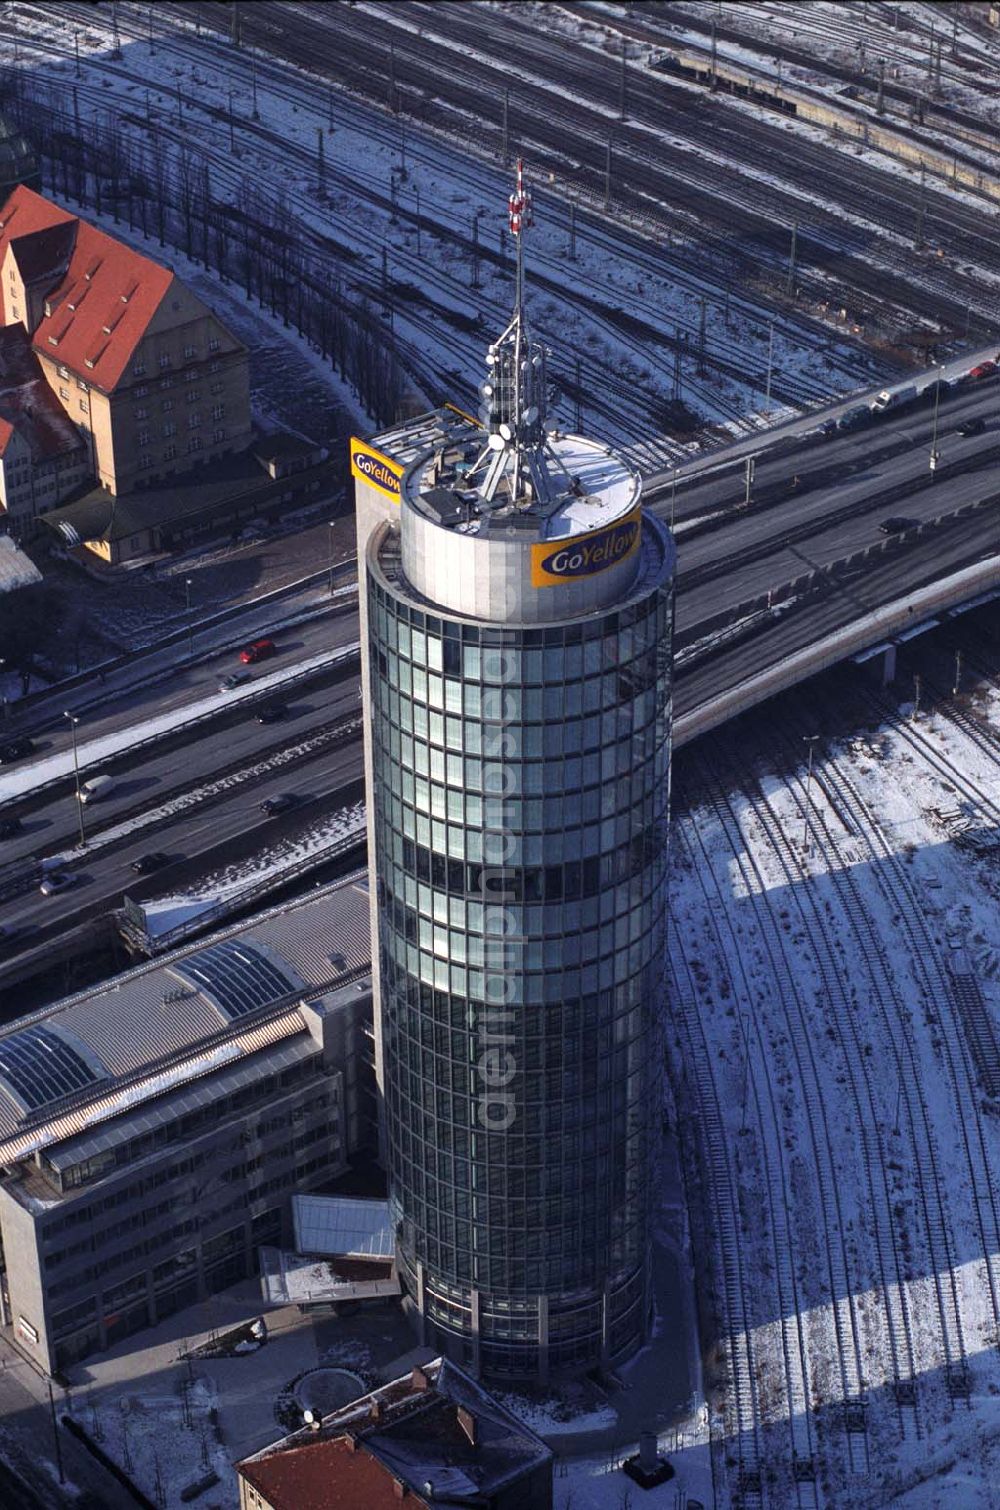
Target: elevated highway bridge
(787, 562)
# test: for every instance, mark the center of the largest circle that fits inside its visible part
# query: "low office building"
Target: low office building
(153, 1130)
(433, 1437)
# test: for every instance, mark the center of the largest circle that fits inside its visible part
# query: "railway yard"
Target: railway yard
(746, 215)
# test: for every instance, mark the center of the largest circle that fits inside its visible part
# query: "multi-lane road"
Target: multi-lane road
(193, 794)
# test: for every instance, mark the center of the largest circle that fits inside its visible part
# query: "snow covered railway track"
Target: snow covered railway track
(561, 100)
(698, 1074)
(850, 1415)
(966, 1283)
(938, 991)
(618, 400)
(888, 1282)
(796, 1454)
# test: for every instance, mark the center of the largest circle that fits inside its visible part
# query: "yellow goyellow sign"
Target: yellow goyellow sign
(375, 468)
(584, 555)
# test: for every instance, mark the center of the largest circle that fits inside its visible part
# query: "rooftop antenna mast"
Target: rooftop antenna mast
(517, 463)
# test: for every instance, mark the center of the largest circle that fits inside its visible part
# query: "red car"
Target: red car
(260, 650)
(984, 370)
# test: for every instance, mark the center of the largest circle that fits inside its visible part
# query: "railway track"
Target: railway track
(654, 350)
(655, 104)
(771, 1179)
(934, 982)
(839, 1022)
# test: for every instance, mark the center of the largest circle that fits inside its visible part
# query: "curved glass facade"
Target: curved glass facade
(521, 799)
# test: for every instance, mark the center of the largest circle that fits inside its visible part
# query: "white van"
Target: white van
(893, 398)
(96, 788)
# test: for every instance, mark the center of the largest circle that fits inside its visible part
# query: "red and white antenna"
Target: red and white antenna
(519, 204)
(515, 393)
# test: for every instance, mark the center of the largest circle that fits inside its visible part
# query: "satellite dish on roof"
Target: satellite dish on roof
(507, 431)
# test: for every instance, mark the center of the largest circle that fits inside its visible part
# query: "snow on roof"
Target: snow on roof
(417, 1429)
(16, 569)
(102, 295)
(326, 1224)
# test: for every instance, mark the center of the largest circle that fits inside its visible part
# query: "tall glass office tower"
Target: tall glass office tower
(516, 638)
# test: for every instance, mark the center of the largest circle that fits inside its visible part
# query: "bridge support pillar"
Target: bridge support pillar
(889, 665)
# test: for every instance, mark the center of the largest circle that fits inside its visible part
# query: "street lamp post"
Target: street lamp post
(810, 740)
(935, 454)
(187, 605)
(6, 704)
(750, 468)
(673, 499)
(73, 721)
(330, 538)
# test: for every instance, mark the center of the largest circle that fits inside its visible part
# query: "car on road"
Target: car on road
(146, 864)
(16, 749)
(854, 418)
(10, 828)
(828, 427)
(56, 881)
(260, 650)
(272, 713)
(974, 426)
(280, 804)
(236, 680)
(896, 523)
(976, 374)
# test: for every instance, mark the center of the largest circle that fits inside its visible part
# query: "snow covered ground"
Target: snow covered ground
(229, 888)
(836, 999)
(163, 1439)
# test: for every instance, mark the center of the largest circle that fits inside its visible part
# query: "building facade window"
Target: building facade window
(169, 452)
(139, 369)
(64, 393)
(170, 428)
(164, 359)
(194, 420)
(194, 444)
(218, 411)
(218, 435)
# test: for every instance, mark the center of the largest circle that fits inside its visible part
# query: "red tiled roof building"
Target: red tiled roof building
(141, 366)
(433, 1437)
